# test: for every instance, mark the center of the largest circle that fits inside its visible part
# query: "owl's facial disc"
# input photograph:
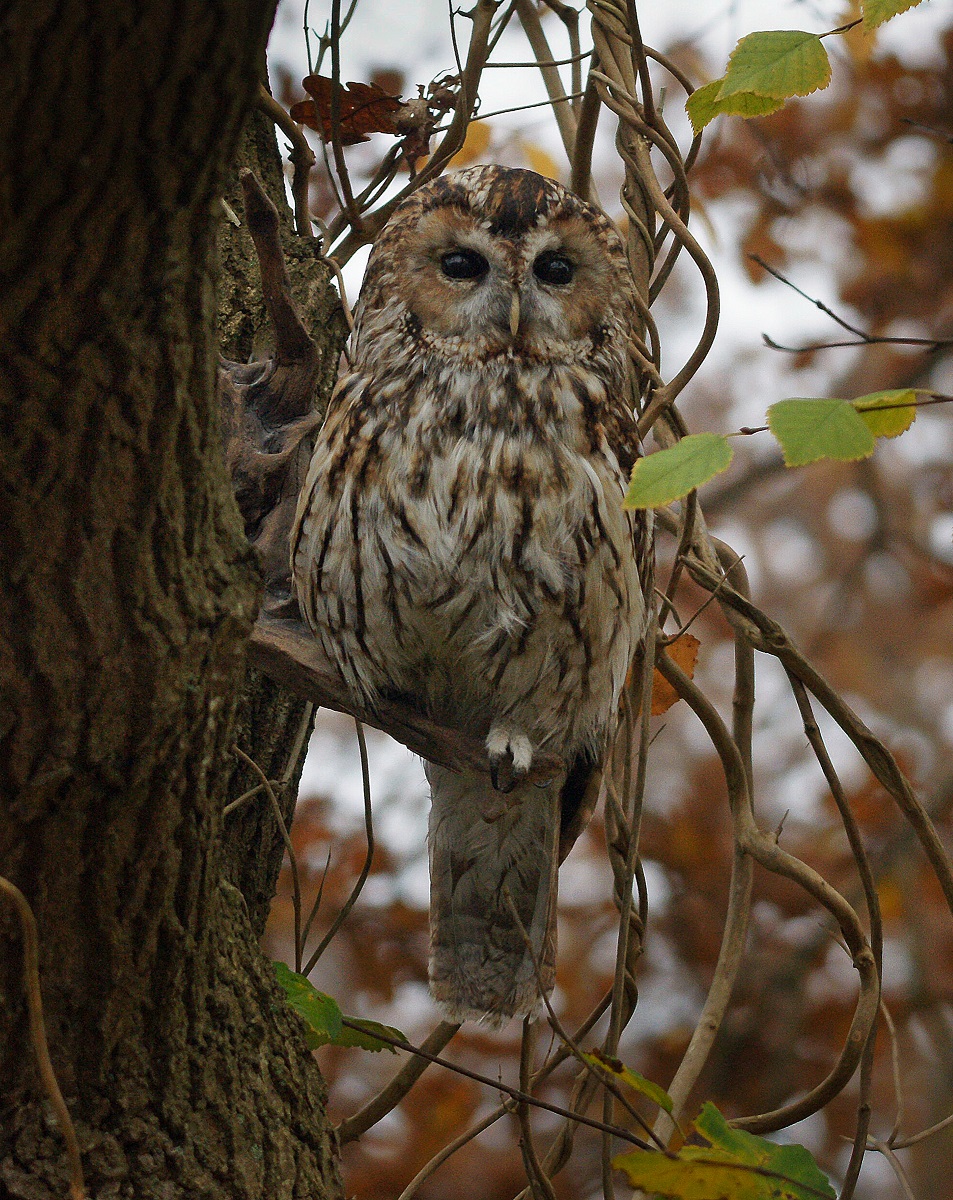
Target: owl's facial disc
(534, 291)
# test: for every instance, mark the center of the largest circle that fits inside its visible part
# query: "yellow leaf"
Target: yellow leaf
(539, 160)
(888, 414)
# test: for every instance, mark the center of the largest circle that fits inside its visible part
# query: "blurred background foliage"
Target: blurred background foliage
(849, 194)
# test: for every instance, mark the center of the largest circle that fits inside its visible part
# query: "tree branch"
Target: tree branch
(287, 652)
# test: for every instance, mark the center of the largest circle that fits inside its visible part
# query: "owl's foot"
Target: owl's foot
(511, 756)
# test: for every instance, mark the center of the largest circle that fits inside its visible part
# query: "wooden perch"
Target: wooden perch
(268, 423)
(290, 654)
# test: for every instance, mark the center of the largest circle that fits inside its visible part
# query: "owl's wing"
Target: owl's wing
(330, 456)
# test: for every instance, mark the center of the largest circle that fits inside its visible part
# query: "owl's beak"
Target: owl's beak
(515, 314)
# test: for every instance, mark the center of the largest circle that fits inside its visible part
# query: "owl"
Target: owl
(461, 543)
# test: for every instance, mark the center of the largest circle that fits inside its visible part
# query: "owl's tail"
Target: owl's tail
(493, 861)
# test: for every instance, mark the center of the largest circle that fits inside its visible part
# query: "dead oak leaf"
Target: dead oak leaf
(684, 653)
(365, 108)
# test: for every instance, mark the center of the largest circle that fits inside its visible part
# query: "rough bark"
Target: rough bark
(273, 722)
(128, 595)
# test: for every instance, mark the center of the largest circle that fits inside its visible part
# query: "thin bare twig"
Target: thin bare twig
(286, 838)
(859, 852)
(316, 906)
(368, 858)
(863, 338)
(302, 157)
(539, 1182)
(923, 1135)
(393, 1092)
(895, 1071)
(430, 1168)
(243, 799)
(895, 1165)
(337, 145)
(569, 1042)
(41, 1050)
(497, 1085)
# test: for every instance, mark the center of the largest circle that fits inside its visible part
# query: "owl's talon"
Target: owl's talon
(511, 756)
(501, 774)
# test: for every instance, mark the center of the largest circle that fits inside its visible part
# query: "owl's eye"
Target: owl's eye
(464, 264)
(553, 267)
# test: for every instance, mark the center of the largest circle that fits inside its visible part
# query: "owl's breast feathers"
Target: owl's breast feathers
(461, 539)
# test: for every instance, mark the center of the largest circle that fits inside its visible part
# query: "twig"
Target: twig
(286, 838)
(302, 157)
(765, 850)
(316, 906)
(368, 858)
(392, 1093)
(930, 344)
(931, 129)
(431, 1167)
(556, 1059)
(864, 339)
(242, 799)
(895, 1071)
(287, 652)
(895, 1165)
(539, 1182)
(337, 146)
(342, 295)
(499, 1086)
(502, 112)
(923, 1135)
(550, 62)
(41, 1050)
(571, 1043)
(564, 116)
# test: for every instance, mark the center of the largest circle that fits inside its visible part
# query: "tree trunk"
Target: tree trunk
(128, 594)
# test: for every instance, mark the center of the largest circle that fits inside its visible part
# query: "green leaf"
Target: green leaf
(667, 475)
(703, 105)
(888, 414)
(813, 429)
(637, 1082)
(734, 1165)
(364, 1038)
(708, 1175)
(319, 1011)
(778, 63)
(875, 12)
(748, 104)
(323, 1017)
(791, 1159)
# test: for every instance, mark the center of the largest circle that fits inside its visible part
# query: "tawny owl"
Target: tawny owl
(461, 541)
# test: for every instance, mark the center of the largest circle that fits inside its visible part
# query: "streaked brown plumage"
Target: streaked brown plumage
(461, 539)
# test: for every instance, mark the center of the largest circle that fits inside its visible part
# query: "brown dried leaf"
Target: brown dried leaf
(365, 108)
(684, 653)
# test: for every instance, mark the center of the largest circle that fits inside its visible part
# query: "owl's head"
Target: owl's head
(494, 261)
